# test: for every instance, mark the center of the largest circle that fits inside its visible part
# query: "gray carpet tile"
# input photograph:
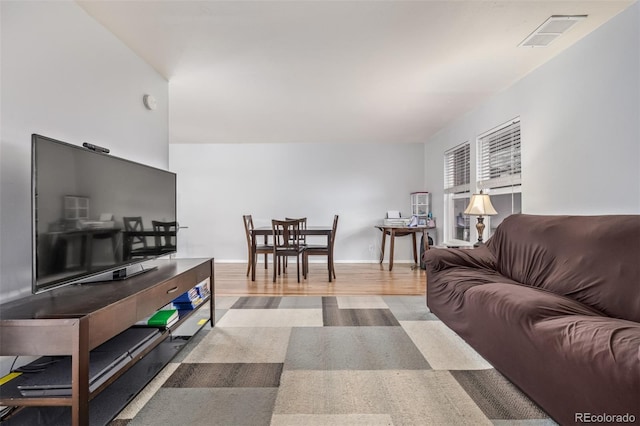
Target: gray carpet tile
(334, 316)
(242, 344)
(409, 397)
(219, 314)
(358, 318)
(208, 406)
(496, 396)
(257, 302)
(233, 375)
(361, 302)
(301, 302)
(225, 302)
(352, 348)
(409, 308)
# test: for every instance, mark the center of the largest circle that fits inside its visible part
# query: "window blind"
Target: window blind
(457, 174)
(499, 161)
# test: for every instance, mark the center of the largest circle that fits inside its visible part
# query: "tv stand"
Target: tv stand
(73, 320)
(120, 274)
(129, 272)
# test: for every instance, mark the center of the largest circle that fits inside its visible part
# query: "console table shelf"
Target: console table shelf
(73, 320)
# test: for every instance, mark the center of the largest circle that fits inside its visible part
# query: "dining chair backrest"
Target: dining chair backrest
(134, 224)
(302, 238)
(286, 234)
(334, 228)
(165, 234)
(248, 227)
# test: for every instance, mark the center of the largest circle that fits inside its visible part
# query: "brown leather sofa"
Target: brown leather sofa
(553, 303)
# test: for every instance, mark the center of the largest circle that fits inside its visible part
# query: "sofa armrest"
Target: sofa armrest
(440, 259)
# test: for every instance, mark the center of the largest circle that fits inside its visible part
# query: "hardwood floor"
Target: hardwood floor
(352, 279)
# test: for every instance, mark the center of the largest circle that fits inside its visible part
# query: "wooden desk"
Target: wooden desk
(399, 231)
(311, 230)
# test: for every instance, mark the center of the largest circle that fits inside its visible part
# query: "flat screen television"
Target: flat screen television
(96, 217)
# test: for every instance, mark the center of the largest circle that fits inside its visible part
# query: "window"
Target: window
(499, 162)
(500, 170)
(457, 178)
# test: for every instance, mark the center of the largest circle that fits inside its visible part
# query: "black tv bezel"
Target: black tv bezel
(35, 288)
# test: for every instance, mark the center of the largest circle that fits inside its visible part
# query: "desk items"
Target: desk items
(394, 218)
(395, 225)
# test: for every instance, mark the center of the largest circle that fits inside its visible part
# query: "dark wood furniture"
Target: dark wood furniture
(326, 231)
(399, 231)
(254, 249)
(73, 320)
(323, 250)
(286, 243)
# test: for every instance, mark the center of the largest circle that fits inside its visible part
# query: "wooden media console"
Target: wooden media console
(75, 319)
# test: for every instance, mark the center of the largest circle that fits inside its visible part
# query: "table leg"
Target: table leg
(384, 238)
(266, 242)
(393, 238)
(330, 257)
(415, 254)
(253, 258)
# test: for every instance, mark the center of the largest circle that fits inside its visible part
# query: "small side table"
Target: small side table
(399, 231)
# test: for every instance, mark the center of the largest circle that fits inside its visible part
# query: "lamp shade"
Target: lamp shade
(480, 205)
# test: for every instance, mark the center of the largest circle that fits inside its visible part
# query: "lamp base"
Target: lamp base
(480, 229)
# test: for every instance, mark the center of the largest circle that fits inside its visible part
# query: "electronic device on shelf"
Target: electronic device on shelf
(104, 361)
(74, 241)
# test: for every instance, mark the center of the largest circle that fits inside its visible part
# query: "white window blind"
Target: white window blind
(499, 162)
(457, 174)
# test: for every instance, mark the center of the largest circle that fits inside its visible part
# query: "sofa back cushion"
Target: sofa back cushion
(592, 259)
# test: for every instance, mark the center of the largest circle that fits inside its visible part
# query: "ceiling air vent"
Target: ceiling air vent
(550, 30)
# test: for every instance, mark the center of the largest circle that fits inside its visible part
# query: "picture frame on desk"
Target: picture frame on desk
(422, 221)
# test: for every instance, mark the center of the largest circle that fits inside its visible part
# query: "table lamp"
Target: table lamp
(480, 205)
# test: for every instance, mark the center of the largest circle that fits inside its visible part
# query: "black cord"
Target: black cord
(13, 363)
(32, 367)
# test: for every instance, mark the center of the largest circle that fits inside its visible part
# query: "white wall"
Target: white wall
(218, 183)
(580, 115)
(64, 76)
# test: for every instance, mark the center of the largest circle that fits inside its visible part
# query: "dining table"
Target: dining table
(309, 231)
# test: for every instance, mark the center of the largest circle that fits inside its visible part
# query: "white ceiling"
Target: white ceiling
(335, 71)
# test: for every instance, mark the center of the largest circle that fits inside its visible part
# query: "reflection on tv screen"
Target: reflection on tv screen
(94, 212)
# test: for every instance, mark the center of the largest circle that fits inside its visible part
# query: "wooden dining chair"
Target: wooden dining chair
(302, 238)
(286, 243)
(322, 250)
(136, 245)
(165, 235)
(265, 249)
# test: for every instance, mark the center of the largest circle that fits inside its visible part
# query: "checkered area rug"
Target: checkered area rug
(361, 360)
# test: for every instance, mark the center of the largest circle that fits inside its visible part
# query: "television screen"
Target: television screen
(95, 214)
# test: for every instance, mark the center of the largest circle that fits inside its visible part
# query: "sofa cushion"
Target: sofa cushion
(551, 346)
(592, 259)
